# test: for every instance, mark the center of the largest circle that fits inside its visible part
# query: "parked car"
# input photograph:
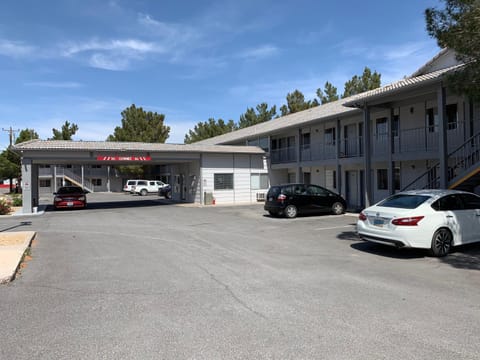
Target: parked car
(70, 197)
(130, 184)
(427, 219)
(143, 187)
(293, 199)
(165, 191)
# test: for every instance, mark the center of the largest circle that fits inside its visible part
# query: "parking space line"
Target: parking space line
(335, 227)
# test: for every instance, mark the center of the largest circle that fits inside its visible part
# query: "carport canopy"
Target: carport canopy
(68, 152)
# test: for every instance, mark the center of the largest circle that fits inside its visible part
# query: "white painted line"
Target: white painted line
(335, 227)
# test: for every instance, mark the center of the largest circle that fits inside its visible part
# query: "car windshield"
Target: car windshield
(70, 190)
(404, 201)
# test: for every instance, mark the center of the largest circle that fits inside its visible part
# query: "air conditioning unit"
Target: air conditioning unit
(260, 196)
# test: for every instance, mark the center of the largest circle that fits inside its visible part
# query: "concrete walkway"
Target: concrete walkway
(12, 249)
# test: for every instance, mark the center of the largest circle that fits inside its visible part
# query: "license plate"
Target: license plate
(70, 203)
(378, 222)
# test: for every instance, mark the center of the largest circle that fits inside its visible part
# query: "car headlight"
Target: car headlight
(57, 198)
(81, 198)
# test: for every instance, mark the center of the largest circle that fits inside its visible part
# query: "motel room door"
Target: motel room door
(352, 189)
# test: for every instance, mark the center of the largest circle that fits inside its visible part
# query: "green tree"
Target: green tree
(328, 95)
(457, 27)
(26, 135)
(358, 84)
(8, 169)
(296, 102)
(208, 129)
(261, 115)
(66, 133)
(141, 126)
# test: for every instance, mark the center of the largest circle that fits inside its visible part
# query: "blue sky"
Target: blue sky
(86, 60)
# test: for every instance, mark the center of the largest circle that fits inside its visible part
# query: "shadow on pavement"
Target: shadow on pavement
(120, 204)
(22, 223)
(464, 257)
(461, 257)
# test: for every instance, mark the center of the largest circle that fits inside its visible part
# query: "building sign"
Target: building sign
(123, 158)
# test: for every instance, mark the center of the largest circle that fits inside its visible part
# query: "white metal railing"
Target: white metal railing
(75, 178)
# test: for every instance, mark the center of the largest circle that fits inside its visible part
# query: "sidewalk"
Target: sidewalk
(13, 246)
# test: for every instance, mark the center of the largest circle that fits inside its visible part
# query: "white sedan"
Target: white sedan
(428, 219)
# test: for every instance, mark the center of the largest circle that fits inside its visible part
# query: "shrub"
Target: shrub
(5, 206)
(17, 200)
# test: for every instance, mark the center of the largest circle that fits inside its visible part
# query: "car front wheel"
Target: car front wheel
(441, 242)
(290, 211)
(338, 208)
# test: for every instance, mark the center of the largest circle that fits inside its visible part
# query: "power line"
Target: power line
(11, 134)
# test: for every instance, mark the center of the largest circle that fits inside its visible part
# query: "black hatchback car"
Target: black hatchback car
(293, 199)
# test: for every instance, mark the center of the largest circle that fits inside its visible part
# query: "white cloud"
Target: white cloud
(108, 62)
(114, 54)
(133, 46)
(260, 52)
(15, 48)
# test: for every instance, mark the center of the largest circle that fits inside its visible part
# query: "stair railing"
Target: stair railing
(464, 157)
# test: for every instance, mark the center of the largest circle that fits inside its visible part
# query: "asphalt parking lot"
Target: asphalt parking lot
(144, 278)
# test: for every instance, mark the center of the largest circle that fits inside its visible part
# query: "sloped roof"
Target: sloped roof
(69, 145)
(326, 111)
(398, 86)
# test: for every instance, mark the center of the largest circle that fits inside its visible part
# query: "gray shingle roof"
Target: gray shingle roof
(302, 118)
(53, 145)
(401, 85)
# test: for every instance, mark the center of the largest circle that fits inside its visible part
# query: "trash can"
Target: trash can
(208, 198)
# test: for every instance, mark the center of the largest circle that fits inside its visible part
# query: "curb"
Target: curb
(11, 255)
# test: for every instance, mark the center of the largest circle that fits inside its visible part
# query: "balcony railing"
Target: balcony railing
(283, 155)
(421, 139)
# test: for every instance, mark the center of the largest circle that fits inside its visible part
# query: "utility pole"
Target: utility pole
(11, 134)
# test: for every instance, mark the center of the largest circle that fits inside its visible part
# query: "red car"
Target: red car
(70, 197)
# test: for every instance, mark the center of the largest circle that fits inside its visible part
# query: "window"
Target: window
(223, 181)
(259, 181)
(452, 116)
(96, 166)
(45, 183)
(382, 179)
(450, 202)
(261, 142)
(317, 191)
(396, 178)
(274, 144)
(470, 201)
(253, 142)
(96, 182)
(330, 136)
(404, 201)
(381, 127)
(395, 125)
(305, 141)
(432, 119)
